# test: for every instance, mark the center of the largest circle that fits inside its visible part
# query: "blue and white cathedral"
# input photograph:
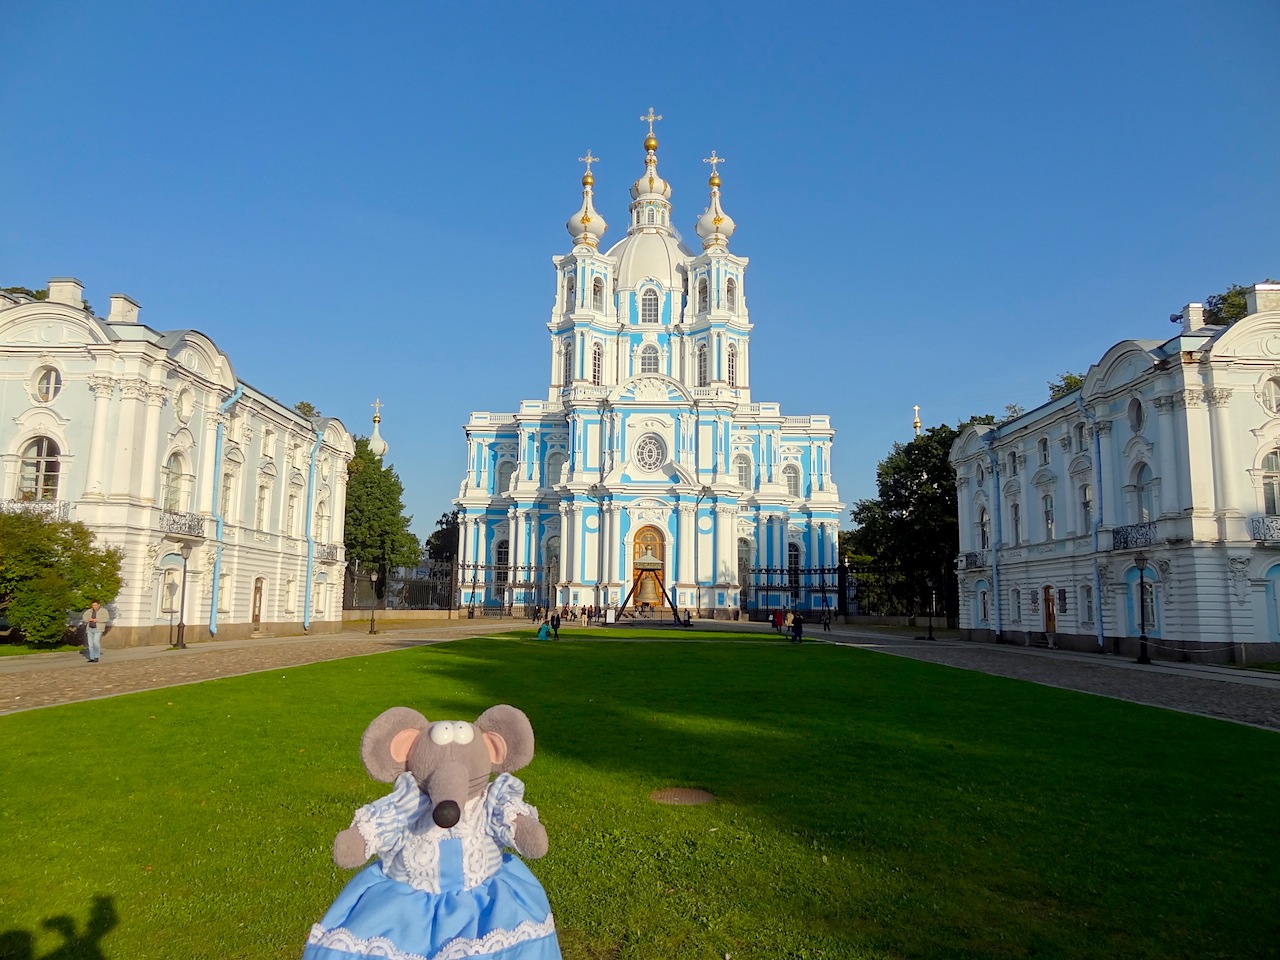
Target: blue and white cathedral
(648, 477)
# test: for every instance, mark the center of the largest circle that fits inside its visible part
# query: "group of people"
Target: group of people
(550, 629)
(792, 623)
(584, 613)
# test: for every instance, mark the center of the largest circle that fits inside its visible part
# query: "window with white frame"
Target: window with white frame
(262, 506)
(649, 306)
(984, 607)
(567, 376)
(731, 295)
(1015, 605)
(650, 360)
(597, 364)
(791, 477)
(1015, 523)
(506, 470)
(1042, 447)
(172, 494)
(793, 566)
(291, 514)
(570, 289)
(48, 384)
(742, 470)
(1046, 504)
(1143, 495)
(1086, 603)
(1271, 394)
(169, 586)
(224, 592)
(1086, 507)
(225, 499)
(984, 528)
(1081, 438)
(38, 473)
(555, 468)
(321, 532)
(703, 373)
(502, 561)
(597, 294)
(703, 299)
(1271, 483)
(1013, 464)
(731, 362)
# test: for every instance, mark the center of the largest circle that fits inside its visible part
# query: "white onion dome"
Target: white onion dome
(715, 227)
(651, 184)
(377, 446)
(587, 226)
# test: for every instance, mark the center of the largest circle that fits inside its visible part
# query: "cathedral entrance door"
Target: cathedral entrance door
(648, 560)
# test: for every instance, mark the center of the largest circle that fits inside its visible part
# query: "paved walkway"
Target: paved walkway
(1242, 696)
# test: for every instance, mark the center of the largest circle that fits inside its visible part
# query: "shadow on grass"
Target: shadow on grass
(21, 944)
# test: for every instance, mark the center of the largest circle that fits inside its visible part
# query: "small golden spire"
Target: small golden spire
(650, 142)
(587, 178)
(715, 174)
(916, 422)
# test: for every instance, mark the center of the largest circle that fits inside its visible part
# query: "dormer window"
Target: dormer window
(731, 295)
(597, 294)
(649, 306)
(702, 295)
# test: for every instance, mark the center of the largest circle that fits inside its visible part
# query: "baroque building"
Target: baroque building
(228, 505)
(649, 477)
(1146, 501)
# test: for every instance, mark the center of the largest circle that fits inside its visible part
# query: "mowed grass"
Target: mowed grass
(868, 806)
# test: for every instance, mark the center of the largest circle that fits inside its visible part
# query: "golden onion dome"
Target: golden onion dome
(651, 142)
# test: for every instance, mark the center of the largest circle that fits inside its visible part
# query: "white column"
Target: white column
(685, 572)
(95, 480)
(1170, 500)
(151, 439)
(1225, 468)
(1199, 451)
(126, 449)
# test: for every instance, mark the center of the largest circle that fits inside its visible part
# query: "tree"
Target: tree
(1227, 307)
(306, 409)
(42, 294)
(50, 568)
(911, 527)
(443, 544)
(377, 531)
(1066, 383)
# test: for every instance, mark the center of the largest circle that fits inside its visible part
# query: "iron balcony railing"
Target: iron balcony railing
(1133, 535)
(53, 509)
(186, 524)
(973, 561)
(326, 551)
(1265, 528)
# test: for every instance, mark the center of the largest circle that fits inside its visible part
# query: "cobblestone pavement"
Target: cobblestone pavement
(1243, 696)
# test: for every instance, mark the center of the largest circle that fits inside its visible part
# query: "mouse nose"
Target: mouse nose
(445, 814)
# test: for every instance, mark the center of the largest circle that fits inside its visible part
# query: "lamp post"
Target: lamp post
(1140, 561)
(705, 492)
(932, 601)
(185, 550)
(595, 493)
(373, 599)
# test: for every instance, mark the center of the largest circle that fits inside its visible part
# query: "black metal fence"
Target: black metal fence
(432, 586)
(810, 589)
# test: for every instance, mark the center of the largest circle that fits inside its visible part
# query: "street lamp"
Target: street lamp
(932, 601)
(1140, 561)
(705, 492)
(373, 598)
(185, 550)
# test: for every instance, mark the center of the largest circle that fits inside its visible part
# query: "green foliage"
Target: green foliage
(306, 409)
(377, 531)
(867, 806)
(443, 543)
(49, 569)
(42, 294)
(1226, 307)
(911, 526)
(1066, 383)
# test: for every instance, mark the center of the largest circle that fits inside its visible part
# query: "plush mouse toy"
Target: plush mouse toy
(442, 886)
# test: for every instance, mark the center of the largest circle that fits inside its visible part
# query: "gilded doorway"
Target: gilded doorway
(648, 560)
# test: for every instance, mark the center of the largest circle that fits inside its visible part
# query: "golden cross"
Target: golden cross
(377, 408)
(714, 161)
(588, 160)
(651, 116)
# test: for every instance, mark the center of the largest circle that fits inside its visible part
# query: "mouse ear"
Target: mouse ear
(388, 740)
(509, 736)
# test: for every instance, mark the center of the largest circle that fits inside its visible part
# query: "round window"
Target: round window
(184, 405)
(1135, 415)
(650, 453)
(48, 384)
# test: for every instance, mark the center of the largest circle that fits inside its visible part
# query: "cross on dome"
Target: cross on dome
(714, 161)
(650, 117)
(588, 160)
(377, 409)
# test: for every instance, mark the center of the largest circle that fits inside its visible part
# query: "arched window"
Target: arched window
(555, 468)
(38, 479)
(506, 470)
(1047, 504)
(731, 363)
(597, 294)
(597, 364)
(649, 306)
(702, 295)
(570, 289)
(1143, 495)
(703, 378)
(731, 295)
(649, 359)
(1271, 483)
(501, 561)
(791, 477)
(551, 559)
(321, 532)
(651, 217)
(742, 470)
(568, 361)
(172, 494)
(984, 528)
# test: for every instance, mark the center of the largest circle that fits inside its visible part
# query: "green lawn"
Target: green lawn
(869, 806)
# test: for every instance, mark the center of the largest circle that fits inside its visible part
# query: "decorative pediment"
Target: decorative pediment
(650, 388)
(648, 510)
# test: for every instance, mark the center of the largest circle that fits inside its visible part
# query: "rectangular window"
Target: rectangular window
(1086, 604)
(1015, 523)
(260, 515)
(1086, 508)
(1048, 518)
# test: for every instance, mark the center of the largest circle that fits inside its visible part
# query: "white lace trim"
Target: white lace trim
(459, 949)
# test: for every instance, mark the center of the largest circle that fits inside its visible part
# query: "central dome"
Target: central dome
(650, 256)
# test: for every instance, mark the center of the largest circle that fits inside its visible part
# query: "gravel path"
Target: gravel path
(1242, 696)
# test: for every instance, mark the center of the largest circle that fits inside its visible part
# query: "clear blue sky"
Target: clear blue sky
(944, 203)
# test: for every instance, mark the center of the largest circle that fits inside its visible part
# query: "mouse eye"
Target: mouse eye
(465, 733)
(442, 733)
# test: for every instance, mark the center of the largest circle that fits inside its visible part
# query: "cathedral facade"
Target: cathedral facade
(648, 477)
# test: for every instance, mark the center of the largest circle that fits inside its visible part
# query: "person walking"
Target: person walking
(96, 619)
(797, 628)
(555, 626)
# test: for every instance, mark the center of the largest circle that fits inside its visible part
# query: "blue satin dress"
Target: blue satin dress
(437, 894)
